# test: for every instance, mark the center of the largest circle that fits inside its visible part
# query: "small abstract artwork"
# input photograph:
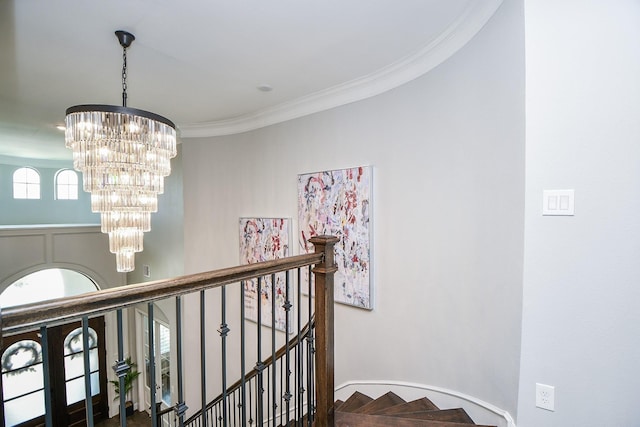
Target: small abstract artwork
(338, 203)
(265, 239)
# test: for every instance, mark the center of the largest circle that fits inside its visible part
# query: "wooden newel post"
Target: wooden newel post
(324, 329)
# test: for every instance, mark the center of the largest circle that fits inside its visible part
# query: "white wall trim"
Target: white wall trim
(409, 68)
(501, 413)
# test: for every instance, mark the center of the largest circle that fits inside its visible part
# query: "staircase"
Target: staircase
(390, 410)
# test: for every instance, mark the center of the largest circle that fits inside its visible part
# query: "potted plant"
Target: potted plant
(129, 377)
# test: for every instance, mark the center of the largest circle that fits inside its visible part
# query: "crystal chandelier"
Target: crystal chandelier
(124, 155)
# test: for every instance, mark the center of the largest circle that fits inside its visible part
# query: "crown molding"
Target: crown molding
(468, 24)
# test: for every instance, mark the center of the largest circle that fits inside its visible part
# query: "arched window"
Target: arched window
(46, 284)
(26, 184)
(66, 185)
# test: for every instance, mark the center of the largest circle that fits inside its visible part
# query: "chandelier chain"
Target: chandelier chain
(124, 76)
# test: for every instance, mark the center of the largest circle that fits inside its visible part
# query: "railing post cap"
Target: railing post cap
(325, 239)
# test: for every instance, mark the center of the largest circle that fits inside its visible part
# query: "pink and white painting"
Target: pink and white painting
(338, 203)
(265, 239)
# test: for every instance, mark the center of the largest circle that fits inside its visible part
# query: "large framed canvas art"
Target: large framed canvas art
(338, 202)
(265, 239)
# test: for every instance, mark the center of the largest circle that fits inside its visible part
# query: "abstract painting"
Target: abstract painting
(338, 203)
(265, 239)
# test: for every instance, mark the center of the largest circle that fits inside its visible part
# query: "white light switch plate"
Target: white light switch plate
(557, 202)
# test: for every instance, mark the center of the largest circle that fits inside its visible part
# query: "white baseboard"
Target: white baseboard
(480, 411)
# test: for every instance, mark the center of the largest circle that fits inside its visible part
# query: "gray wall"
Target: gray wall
(448, 156)
(581, 275)
(46, 210)
(24, 250)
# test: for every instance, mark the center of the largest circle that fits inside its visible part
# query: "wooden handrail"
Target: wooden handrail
(26, 317)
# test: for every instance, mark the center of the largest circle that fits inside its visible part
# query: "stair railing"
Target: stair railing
(319, 341)
(301, 346)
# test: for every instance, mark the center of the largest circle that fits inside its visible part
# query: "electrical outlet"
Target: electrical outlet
(545, 396)
(146, 271)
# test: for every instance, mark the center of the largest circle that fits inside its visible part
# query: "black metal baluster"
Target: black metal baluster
(181, 407)
(224, 331)
(44, 341)
(310, 354)
(88, 401)
(121, 368)
(299, 382)
(203, 361)
(260, 366)
(268, 394)
(273, 348)
(312, 381)
(280, 376)
(282, 405)
(152, 366)
(256, 397)
(243, 370)
(250, 406)
(235, 405)
(287, 309)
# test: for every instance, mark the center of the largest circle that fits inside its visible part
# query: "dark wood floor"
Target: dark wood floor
(138, 419)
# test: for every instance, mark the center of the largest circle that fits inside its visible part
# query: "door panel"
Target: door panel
(22, 376)
(23, 384)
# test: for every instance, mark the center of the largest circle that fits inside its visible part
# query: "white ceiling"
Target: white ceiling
(199, 62)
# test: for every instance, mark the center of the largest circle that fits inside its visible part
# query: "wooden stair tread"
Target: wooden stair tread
(303, 423)
(422, 404)
(355, 401)
(350, 419)
(457, 415)
(391, 410)
(385, 401)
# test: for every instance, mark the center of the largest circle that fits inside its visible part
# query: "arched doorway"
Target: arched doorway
(22, 376)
